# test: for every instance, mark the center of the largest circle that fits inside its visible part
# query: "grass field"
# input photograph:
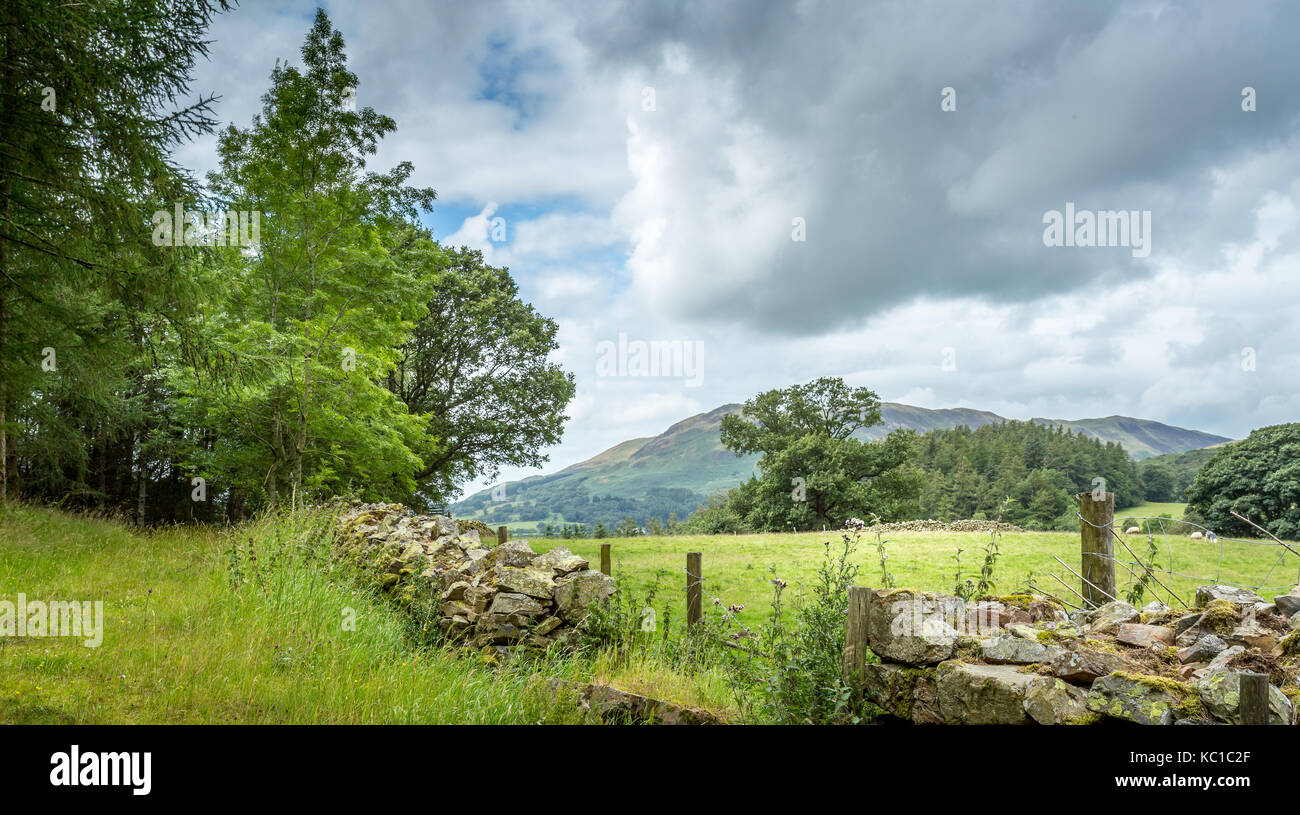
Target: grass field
(1173, 510)
(736, 567)
(182, 644)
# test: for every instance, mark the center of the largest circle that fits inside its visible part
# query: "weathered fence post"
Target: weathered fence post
(502, 534)
(694, 589)
(604, 559)
(855, 637)
(1253, 698)
(1098, 547)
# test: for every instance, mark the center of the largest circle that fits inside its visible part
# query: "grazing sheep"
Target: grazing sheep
(1132, 530)
(1196, 536)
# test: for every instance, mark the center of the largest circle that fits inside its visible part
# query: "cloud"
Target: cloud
(674, 220)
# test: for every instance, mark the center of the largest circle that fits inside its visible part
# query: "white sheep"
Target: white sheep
(1132, 530)
(1196, 536)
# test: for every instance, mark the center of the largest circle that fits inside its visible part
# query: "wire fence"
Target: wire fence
(1137, 567)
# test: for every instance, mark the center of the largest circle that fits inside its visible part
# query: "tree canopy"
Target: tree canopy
(813, 473)
(289, 331)
(1258, 477)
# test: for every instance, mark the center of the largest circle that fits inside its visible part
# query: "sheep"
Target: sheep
(1132, 530)
(1196, 536)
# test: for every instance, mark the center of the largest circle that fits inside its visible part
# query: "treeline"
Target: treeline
(970, 473)
(287, 331)
(813, 474)
(539, 500)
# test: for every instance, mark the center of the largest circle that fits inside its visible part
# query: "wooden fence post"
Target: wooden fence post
(855, 638)
(694, 589)
(502, 534)
(604, 559)
(1098, 547)
(1253, 698)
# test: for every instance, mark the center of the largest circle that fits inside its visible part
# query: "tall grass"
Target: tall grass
(288, 640)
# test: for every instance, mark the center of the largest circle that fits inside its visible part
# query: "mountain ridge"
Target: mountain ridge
(676, 469)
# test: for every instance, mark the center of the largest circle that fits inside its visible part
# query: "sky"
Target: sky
(875, 191)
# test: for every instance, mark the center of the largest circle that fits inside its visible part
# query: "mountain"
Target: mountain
(1142, 438)
(680, 468)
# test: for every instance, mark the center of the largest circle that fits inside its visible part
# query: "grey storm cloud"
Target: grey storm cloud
(1109, 106)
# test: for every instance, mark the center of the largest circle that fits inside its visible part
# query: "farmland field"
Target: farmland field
(736, 567)
(1153, 510)
(182, 645)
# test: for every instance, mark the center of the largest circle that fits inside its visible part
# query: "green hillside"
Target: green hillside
(1142, 438)
(680, 468)
(1182, 467)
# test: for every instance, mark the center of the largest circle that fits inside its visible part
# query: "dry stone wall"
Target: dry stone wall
(472, 591)
(1024, 659)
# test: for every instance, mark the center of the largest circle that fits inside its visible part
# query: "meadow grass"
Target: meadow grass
(738, 568)
(1153, 510)
(183, 645)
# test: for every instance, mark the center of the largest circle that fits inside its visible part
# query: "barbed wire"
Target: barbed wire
(1211, 537)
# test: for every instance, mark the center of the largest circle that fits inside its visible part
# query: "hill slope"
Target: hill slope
(1142, 438)
(677, 470)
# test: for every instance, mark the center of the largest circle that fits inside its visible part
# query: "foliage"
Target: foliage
(1258, 477)
(203, 381)
(476, 366)
(969, 473)
(797, 668)
(812, 472)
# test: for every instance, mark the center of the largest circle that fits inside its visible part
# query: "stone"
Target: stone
(444, 545)
(1222, 660)
(1220, 691)
(470, 539)
(1085, 665)
(1254, 634)
(925, 708)
(547, 626)
(1144, 636)
(1295, 621)
(456, 591)
(1193, 670)
(1018, 651)
(456, 608)
(1112, 615)
(507, 602)
(1155, 607)
(533, 582)
(496, 629)
(893, 688)
(442, 525)
(1141, 699)
(986, 617)
(515, 553)
(1186, 621)
(1207, 594)
(477, 554)
(560, 561)
(1204, 649)
(575, 593)
(982, 694)
(1288, 605)
(1050, 701)
(1025, 631)
(620, 706)
(913, 627)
